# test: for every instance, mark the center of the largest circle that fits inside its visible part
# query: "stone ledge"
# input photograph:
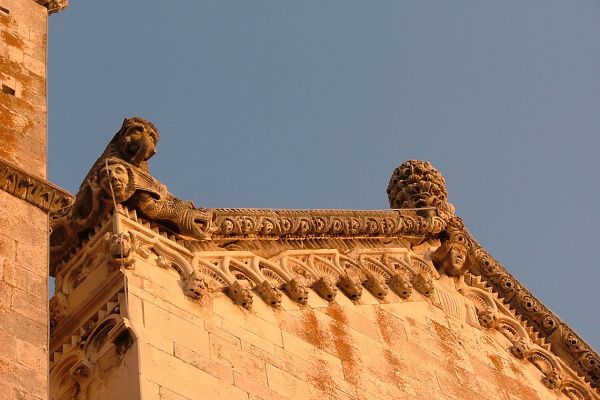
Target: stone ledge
(38, 192)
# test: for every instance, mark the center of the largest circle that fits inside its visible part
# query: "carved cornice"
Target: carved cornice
(265, 223)
(565, 343)
(54, 6)
(389, 274)
(416, 188)
(38, 192)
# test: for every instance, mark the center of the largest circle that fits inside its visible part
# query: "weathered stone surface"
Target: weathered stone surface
(283, 304)
(25, 199)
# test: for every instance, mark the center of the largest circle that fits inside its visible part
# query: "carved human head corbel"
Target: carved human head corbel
(115, 177)
(136, 140)
(451, 258)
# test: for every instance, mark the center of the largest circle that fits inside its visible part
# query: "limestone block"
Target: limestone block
(166, 394)
(25, 328)
(221, 368)
(252, 330)
(25, 280)
(178, 330)
(14, 376)
(34, 308)
(185, 379)
(242, 363)
(307, 352)
(257, 390)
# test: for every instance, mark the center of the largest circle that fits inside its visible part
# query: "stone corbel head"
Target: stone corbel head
(270, 294)
(451, 258)
(553, 380)
(487, 318)
(401, 285)
(375, 284)
(521, 349)
(423, 283)
(351, 284)
(326, 288)
(241, 294)
(58, 310)
(120, 248)
(114, 177)
(297, 290)
(196, 286)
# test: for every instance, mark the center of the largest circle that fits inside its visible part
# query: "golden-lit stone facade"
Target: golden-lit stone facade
(25, 199)
(158, 299)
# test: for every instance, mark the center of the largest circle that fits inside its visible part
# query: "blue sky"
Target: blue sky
(312, 104)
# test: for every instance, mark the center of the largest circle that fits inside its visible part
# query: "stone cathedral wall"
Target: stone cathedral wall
(24, 227)
(392, 349)
(23, 39)
(129, 331)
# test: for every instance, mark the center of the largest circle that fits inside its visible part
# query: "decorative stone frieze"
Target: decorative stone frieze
(38, 192)
(252, 223)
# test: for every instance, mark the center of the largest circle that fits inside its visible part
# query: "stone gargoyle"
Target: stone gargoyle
(121, 176)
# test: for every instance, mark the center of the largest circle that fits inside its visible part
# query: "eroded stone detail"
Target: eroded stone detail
(487, 318)
(326, 288)
(121, 176)
(351, 285)
(195, 286)
(58, 309)
(297, 291)
(423, 284)
(521, 349)
(553, 380)
(451, 258)
(100, 341)
(35, 191)
(401, 285)
(241, 294)
(417, 184)
(324, 223)
(120, 248)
